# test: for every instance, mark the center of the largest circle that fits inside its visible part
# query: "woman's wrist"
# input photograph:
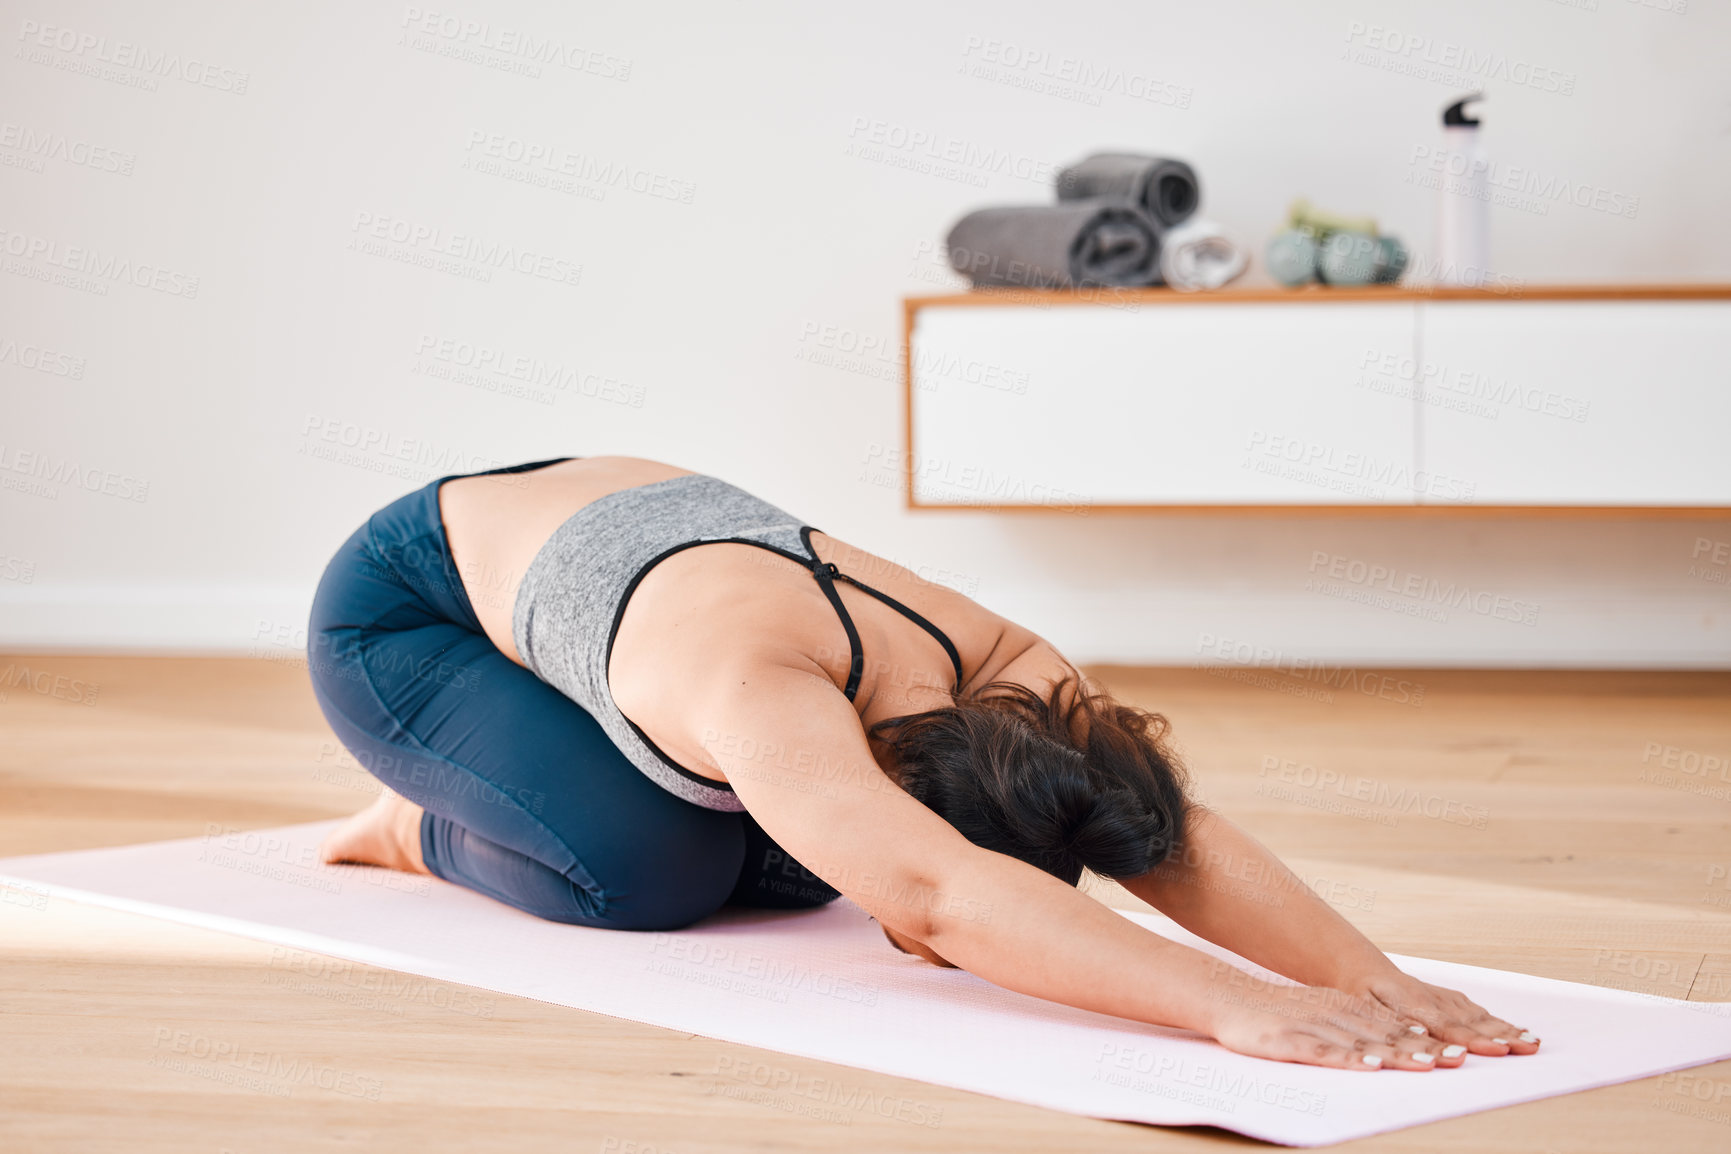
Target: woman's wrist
(1356, 973)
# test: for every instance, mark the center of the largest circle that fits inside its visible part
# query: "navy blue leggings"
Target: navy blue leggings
(526, 798)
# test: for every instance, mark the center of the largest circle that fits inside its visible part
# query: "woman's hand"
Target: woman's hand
(1448, 1016)
(1318, 1026)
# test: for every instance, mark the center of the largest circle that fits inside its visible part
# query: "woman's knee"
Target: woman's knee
(771, 878)
(676, 879)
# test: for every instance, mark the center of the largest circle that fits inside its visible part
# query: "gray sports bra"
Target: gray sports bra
(574, 594)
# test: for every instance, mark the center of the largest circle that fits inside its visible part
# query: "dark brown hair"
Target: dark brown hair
(1089, 785)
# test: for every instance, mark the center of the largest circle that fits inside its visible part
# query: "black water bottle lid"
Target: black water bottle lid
(1456, 114)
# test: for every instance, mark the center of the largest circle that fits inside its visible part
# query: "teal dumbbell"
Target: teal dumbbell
(1291, 257)
(1357, 258)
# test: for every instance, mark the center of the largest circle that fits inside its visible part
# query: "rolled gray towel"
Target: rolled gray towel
(1083, 242)
(1166, 189)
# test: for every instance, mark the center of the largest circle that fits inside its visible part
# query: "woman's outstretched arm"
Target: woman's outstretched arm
(792, 747)
(1225, 886)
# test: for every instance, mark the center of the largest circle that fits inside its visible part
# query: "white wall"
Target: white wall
(697, 330)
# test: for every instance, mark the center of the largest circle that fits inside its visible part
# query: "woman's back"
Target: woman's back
(721, 606)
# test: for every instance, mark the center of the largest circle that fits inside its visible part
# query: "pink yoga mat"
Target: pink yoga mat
(823, 984)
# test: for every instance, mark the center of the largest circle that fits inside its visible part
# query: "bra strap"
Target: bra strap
(917, 619)
(827, 575)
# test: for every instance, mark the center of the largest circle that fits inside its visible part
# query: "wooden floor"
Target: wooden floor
(1570, 826)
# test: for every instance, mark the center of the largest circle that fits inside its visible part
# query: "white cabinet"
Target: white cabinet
(1373, 398)
(1580, 403)
(1095, 405)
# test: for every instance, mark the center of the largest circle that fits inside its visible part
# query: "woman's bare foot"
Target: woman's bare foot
(386, 833)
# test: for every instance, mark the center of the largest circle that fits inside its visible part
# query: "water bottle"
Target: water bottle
(1463, 232)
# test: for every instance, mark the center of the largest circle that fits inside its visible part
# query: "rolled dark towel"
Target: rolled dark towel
(1166, 189)
(1083, 242)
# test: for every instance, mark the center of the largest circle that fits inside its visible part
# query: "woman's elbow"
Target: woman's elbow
(917, 948)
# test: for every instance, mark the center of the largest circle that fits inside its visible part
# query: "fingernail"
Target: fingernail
(1453, 1051)
(1415, 1030)
(1500, 1041)
(1424, 1056)
(1529, 1036)
(1373, 1061)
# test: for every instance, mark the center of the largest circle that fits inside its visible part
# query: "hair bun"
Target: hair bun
(1062, 786)
(1072, 821)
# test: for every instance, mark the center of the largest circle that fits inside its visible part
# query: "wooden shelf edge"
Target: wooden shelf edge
(1318, 294)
